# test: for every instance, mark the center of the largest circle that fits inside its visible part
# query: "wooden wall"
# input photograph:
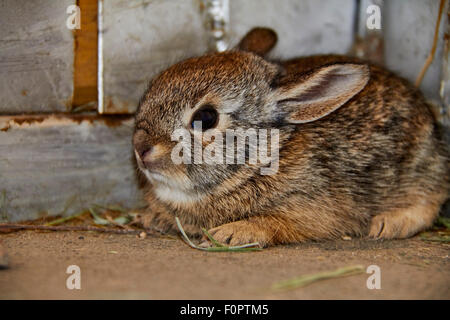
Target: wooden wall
(36, 56)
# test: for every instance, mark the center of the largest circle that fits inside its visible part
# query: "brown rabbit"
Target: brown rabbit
(360, 152)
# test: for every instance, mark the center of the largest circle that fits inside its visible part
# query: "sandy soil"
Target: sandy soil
(127, 267)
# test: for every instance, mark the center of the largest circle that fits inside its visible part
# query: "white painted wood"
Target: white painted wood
(304, 27)
(36, 56)
(53, 165)
(141, 38)
(408, 33)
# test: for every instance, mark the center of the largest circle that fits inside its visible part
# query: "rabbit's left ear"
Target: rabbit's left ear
(259, 41)
(321, 92)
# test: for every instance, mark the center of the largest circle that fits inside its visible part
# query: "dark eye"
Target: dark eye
(207, 115)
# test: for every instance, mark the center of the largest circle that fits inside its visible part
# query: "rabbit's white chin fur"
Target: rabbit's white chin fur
(175, 195)
(171, 190)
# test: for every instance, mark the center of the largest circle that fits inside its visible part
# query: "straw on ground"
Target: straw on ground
(305, 280)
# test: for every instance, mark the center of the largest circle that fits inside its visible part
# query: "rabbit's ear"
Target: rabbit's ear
(321, 92)
(259, 41)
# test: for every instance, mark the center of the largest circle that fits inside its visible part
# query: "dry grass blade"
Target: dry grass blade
(430, 57)
(122, 221)
(439, 233)
(305, 280)
(218, 246)
(65, 219)
(97, 219)
(436, 237)
(111, 208)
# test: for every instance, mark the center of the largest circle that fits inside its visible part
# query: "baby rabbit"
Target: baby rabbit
(360, 152)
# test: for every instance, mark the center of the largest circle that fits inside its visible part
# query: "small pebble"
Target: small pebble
(205, 244)
(142, 235)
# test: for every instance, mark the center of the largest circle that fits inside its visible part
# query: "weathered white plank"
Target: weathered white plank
(51, 165)
(408, 33)
(36, 56)
(141, 38)
(304, 27)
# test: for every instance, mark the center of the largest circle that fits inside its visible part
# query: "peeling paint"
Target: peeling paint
(112, 121)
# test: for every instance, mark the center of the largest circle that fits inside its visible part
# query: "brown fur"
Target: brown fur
(375, 166)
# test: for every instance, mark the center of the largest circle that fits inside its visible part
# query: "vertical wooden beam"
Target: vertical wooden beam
(85, 71)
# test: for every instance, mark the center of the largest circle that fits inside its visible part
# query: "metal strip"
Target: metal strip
(217, 23)
(368, 43)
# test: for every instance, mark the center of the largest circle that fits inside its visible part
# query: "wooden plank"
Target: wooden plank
(304, 27)
(408, 33)
(62, 164)
(141, 38)
(85, 73)
(36, 56)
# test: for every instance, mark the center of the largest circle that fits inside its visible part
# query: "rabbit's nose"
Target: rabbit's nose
(144, 155)
(142, 146)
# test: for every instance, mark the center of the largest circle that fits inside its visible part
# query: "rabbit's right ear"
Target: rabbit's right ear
(259, 41)
(321, 92)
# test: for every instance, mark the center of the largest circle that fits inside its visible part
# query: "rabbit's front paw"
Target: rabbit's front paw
(240, 233)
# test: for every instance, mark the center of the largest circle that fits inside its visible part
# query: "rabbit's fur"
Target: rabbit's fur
(360, 150)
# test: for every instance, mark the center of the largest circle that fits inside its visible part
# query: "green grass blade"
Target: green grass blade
(443, 221)
(305, 280)
(210, 237)
(218, 246)
(97, 219)
(185, 235)
(111, 208)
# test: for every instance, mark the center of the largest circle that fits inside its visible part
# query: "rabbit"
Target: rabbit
(360, 151)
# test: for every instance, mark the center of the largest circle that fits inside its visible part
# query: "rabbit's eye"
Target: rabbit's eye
(207, 115)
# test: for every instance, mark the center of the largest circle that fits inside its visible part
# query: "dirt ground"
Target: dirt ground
(127, 267)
